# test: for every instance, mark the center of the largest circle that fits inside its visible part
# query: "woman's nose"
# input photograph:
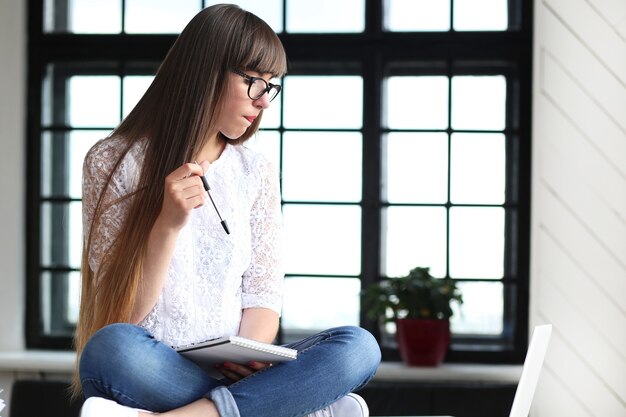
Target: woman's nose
(262, 102)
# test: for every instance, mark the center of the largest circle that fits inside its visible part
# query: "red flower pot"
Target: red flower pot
(423, 342)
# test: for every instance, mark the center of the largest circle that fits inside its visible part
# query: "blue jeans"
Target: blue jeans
(124, 363)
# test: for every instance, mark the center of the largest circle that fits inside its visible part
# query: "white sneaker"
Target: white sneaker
(351, 405)
(101, 407)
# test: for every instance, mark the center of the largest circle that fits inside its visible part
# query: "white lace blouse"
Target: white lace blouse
(212, 276)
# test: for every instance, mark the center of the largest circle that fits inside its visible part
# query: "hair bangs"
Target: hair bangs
(263, 52)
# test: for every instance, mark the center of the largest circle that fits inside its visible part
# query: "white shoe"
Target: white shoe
(101, 407)
(351, 405)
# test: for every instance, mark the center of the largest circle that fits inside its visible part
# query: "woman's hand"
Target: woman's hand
(235, 371)
(183, 192)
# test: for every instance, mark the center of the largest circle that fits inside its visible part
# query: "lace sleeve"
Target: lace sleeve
(263, 280)
(97, 165)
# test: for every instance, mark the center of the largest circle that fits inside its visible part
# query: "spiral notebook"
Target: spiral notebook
(234, 349)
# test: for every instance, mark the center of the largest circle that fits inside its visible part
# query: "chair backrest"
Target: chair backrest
(530, 373)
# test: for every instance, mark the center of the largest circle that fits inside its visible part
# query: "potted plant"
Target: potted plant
(420, 305)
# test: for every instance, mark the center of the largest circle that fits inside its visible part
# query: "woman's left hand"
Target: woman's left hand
(236, 371)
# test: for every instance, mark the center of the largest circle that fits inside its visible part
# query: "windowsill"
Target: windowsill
(41, 361)
(453, 372)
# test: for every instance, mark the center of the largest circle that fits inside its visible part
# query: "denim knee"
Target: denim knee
(117, 344)
(368, 348)
(360, 356)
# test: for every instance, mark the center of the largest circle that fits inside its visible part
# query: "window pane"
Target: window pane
(159, 16)
(477, 242)
(322, 239)
(267, 142)
(313, 101)
(61, 234)
(414, 236)
(312, 173)
(479, 102)
(269, 10)
(416, 167)
(326, 16)
(480, 15)
(302, 314)
(417, 15)
(83, 16)
(482, 309)
(416, 102)
(477, 168)
(94, 101)
(271, 115)
(59, 302)
(62, 156)
(134, 88)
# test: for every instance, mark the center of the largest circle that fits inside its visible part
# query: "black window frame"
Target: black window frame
(374, 54)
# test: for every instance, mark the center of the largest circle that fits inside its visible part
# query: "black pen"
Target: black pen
(205, 183)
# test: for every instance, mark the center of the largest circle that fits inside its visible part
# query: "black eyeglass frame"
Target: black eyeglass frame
(268, 86)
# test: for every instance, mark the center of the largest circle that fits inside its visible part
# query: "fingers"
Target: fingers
(257, 366)
(186, 189)
(228, 374)
(187, 170)
(205, 165)
(235, 371)
(183, 192)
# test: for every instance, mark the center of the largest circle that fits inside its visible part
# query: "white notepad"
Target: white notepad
(234, 349)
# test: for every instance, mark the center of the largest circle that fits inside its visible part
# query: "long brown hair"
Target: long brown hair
(174, 118)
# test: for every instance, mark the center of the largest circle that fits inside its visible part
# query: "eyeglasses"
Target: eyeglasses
(257, 86)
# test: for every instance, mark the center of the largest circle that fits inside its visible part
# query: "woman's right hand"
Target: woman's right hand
(183, 192)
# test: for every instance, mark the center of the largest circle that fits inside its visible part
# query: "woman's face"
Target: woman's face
(239, 111)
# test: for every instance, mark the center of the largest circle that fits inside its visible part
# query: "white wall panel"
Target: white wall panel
(613, 11)
(554, 399)
(578, 225)
(599, 313)
(571, 142)
(592, 31)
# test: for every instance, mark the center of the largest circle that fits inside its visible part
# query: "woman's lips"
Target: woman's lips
(250, 118)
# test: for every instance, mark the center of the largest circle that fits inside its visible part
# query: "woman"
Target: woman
(160, 269)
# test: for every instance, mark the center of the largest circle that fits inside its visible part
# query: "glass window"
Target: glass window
(134, 87)
(480, 15)
(477, 168)
(416, 167)
(392, 153)
(61, 234)
(482, 311)
(94, 101)
(315, 101)
(322, 239)
(478, 102)
(303, 297)
(414, 236)
(436, 15)
(83, 16)
(70, 149)
(142, 16)
(477, 242)
(269, 10)
(59, 302)
(325, 16)
(159, 16)
(322, 166)
(417, 15)
(271, 116)
(416, 102)
(267, 142)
